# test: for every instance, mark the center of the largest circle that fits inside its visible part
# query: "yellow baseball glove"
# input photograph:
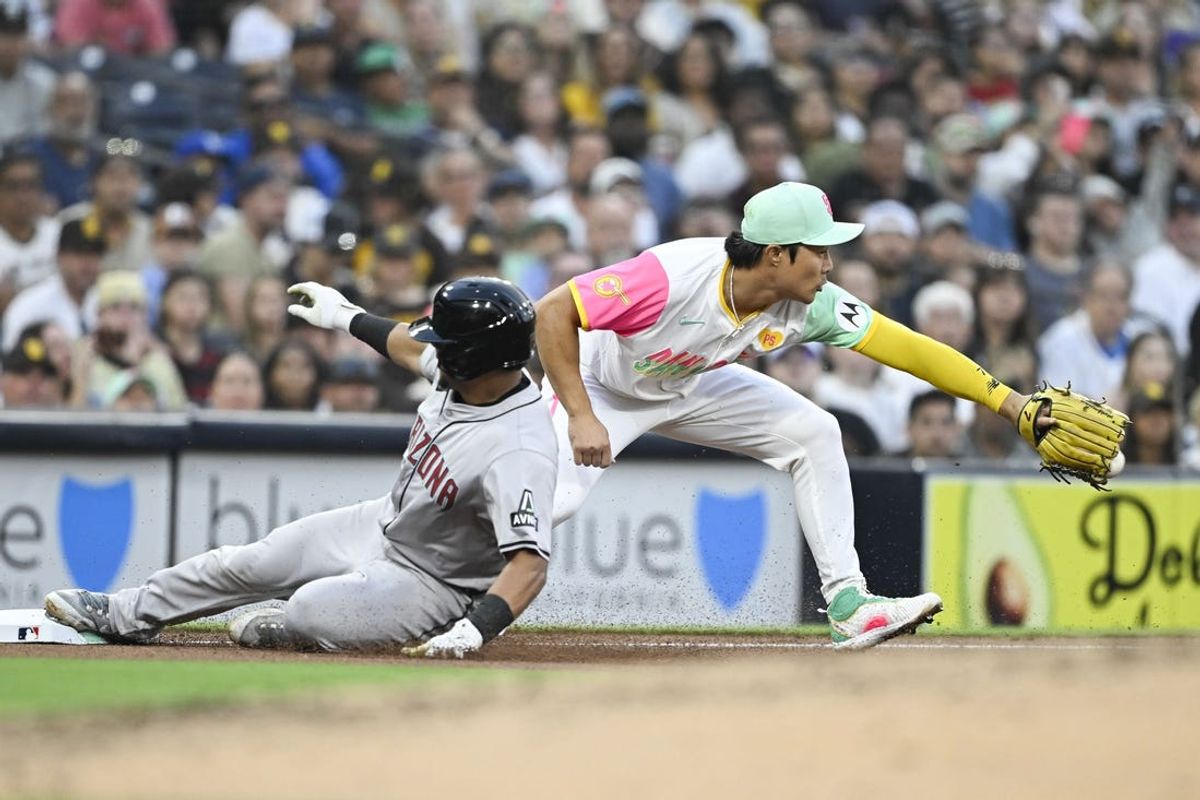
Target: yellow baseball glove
(1083, 440)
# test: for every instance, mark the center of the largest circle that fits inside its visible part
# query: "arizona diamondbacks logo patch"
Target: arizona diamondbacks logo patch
(524, 516)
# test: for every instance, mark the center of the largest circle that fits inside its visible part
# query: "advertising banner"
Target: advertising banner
(238, 498)
(656, 543)
(1039, 555)
(96, 522)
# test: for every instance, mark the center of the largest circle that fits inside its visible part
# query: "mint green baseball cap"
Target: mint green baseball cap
(791, 212)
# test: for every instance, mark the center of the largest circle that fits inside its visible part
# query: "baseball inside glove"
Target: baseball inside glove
(1084, 439)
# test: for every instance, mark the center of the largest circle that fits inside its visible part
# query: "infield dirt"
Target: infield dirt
(661, 717)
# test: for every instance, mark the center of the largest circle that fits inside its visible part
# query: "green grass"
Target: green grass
(67, 685)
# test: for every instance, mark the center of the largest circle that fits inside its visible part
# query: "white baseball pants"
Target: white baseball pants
(742, 411)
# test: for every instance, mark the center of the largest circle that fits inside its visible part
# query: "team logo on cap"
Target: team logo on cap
(480, 244)
(90, 226)
(381, 170)
(610, 286)
(34, 349)
(828, 205)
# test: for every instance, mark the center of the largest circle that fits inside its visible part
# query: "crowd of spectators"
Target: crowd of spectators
(1028, 172)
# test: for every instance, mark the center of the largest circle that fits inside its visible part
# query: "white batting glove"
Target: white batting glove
(322, 306)
(463, 638)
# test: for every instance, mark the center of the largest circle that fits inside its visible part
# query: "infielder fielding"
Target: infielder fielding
(663, 333)
(460, 543)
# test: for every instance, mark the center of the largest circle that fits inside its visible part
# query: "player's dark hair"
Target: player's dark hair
(930, 397)
(743, 254)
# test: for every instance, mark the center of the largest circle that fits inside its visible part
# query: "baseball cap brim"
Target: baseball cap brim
(837, 233)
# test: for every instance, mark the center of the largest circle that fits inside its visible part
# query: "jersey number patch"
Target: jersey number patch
(524, 516)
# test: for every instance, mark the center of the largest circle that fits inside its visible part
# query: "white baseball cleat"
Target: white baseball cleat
(260, 628)
(859, 619)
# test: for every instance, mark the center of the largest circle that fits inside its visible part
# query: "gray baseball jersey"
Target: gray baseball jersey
(476, 484)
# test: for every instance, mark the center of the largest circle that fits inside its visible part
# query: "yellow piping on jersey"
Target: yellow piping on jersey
(722, 282)
(583, 317)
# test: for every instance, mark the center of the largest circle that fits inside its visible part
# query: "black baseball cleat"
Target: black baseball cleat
(88, 612)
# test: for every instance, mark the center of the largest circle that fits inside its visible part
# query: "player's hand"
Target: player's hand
(1011, 410)
(463, 638)
(589, 442)
(322, 306)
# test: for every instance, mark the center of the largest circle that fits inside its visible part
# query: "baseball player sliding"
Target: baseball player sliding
(663, 333)
(460, 543)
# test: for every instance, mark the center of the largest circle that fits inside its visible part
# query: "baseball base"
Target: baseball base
(31, 626)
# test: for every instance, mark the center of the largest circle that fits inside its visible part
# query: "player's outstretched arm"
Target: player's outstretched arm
(558, 325)
(900, 347)
(1075, 435)
(514, 589)
(326, 307)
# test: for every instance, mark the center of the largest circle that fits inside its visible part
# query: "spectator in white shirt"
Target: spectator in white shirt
(28, 238)
(64, 298)
(1089, 347)
(456, 178)
(585, 150)
(1166, 280)
(25, 85)
(539, 149)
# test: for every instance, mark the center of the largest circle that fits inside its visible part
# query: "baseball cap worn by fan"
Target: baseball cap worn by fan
(120, 286)
(177, 221)
(942, 215)
(83, 235)
(395, 241)
(1184, 200)
(382, 57)
(794, 213)
(350, 370)
(29, 354)
(449, 69)
(611, 172)
(890, 216)
(1149, 396)
(621, 98)
(959, 134)
(14, 18)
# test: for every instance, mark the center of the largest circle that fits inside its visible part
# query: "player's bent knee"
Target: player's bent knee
(828, 430)
(311, 621)
(816, 431)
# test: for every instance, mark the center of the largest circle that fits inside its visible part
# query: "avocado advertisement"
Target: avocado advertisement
(1043, 556)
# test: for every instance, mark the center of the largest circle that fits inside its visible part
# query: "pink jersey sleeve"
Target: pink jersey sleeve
(626, 298)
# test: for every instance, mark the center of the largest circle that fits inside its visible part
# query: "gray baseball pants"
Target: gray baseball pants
(345, 586)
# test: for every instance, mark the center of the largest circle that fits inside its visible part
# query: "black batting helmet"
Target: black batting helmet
(478, 325)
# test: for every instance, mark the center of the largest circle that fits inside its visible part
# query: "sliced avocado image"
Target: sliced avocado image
(1006, 581)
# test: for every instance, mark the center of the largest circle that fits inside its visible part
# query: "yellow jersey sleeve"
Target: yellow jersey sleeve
(895, 345)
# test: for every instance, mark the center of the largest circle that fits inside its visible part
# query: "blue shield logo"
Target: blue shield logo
(731, 533)
(94, 525)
